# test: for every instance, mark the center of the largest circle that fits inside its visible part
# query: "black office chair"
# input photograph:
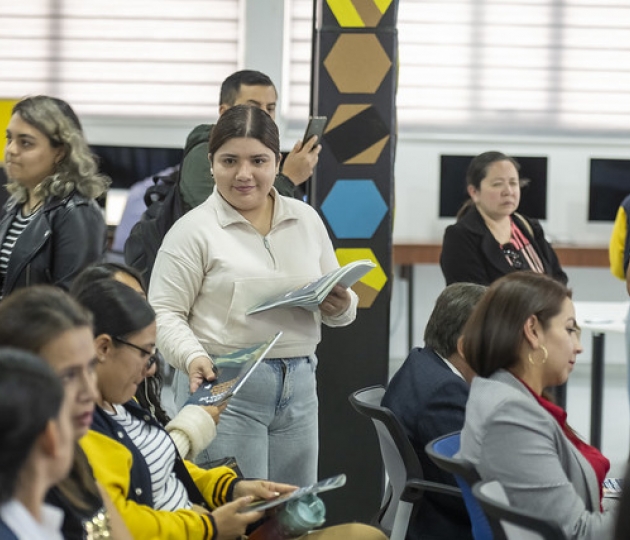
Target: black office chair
(509, 523)
(406, 483)
(442, 452)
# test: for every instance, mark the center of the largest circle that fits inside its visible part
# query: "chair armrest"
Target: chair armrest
(414, 490)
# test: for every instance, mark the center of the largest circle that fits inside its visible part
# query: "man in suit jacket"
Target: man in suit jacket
(428, 395)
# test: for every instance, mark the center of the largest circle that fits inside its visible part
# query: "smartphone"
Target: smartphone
(316, 125)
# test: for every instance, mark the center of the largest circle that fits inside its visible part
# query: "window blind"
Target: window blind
(297, 53)
(539, 66)
(162, 58)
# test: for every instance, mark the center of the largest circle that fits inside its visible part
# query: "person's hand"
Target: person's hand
(261, 489)
(215, 410)
(200, 370)
(197, 508)
(230, 522)
(336, 302)
(299, 164)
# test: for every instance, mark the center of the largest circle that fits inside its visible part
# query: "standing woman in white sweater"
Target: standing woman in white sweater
(243, 244)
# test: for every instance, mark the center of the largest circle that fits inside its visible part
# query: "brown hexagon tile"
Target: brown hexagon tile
(357, 63)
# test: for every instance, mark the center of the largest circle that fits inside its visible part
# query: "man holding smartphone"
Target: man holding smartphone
(245, 87)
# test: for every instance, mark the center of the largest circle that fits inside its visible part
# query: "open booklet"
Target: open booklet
(613, 487)
(232, 371)
(333, 482)
(312, 294)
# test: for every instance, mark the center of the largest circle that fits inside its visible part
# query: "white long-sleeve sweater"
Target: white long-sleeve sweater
(214, 265)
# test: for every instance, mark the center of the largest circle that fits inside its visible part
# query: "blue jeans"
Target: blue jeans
(271, 425)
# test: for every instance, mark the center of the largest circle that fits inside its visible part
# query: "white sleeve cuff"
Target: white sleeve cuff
(192, 430)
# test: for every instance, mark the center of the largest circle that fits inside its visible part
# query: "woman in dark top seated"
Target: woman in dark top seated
(490, 239)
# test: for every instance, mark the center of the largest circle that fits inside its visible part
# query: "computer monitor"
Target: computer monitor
(609, 184)
(126, 165)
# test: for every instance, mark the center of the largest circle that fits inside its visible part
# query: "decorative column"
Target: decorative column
(354, 85)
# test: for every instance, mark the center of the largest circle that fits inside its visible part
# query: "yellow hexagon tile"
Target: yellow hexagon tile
(357, 63)
(358, 13)
(368, 287)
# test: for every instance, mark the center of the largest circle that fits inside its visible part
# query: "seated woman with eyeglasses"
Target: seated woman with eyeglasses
(158, 494)
(194, 426)
(490, 239)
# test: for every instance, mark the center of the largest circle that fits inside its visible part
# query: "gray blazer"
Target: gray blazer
(509, 437)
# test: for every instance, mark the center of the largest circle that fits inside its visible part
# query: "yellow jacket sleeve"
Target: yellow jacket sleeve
(617, 244)
(111, 463)
(216, 484)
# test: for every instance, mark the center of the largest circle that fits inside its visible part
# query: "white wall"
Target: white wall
(417, 182)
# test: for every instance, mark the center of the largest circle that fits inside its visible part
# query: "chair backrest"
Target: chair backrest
(442, 452)
(513, 523)
(399, 456)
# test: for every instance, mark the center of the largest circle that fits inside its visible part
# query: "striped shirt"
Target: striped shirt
(16, 228)
(159, 453)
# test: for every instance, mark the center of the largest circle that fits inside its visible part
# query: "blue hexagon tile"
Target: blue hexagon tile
(354, 208)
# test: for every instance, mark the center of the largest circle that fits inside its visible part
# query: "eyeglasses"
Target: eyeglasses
(513, 256)
(153, 356)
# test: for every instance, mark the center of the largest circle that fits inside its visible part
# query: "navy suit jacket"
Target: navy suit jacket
(6, 533)
(430, 401)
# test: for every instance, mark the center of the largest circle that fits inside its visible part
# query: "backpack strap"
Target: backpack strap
(524, 223)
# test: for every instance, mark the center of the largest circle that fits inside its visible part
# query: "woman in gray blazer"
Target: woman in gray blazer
(522, 338)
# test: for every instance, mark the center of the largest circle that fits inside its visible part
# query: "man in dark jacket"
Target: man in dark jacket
(428, 395)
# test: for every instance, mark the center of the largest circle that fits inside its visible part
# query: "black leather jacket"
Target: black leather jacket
(64, 237)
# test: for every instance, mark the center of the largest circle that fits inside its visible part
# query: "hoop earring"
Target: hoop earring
(543, 361)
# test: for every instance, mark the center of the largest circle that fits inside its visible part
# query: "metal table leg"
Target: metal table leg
(597, 389)
(406, 272)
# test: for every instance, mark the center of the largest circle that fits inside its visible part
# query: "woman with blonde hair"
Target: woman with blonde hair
(52, 227)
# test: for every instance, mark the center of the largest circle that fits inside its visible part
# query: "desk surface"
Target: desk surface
(429, 253)
(602, 317)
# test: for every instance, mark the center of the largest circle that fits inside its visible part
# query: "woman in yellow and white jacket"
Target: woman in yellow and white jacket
(158, 494)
